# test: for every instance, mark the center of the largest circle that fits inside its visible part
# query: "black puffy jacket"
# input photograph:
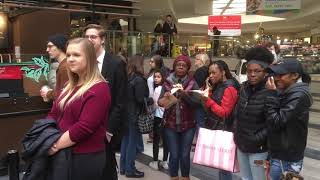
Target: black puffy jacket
(251, 119)
(288, 125)
(36, 143)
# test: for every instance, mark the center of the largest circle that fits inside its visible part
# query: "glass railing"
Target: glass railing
(148, 44)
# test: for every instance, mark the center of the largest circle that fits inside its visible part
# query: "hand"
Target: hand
(203, 98)
(166, 94)
(43, 93)
(53, 150)
(270, 84)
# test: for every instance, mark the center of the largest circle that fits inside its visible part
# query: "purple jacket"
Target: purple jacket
(181, 117)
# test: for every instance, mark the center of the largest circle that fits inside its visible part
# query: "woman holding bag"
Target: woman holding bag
(223, 96)
(179, 117)
(137, 92)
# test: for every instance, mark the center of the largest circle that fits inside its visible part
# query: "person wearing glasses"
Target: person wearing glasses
(251, 116)
(113, 69)
(56, 49)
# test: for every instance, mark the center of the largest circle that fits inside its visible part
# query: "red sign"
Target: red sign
(10, 72)
(227, 25)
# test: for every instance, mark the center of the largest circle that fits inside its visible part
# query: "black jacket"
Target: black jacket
(169, 28)
(251, 119)
(36, 143)
(288, 124)
(137, 92)
(213, 121)
(114, 71)
(200, 76)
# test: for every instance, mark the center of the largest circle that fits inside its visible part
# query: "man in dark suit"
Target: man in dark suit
(114, 71)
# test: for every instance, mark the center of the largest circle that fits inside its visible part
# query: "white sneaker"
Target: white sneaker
(164, 164)
(154, 165)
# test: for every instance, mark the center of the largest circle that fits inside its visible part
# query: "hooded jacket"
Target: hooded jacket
(36, 143)
(288, 125)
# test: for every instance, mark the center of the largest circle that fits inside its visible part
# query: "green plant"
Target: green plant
(35, 72)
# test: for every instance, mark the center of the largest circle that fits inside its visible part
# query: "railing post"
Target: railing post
(13, 165)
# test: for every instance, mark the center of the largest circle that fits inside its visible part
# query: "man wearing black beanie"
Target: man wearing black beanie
(56, 48)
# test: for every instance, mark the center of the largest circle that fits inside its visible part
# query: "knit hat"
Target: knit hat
(183, 58)
(59, 40)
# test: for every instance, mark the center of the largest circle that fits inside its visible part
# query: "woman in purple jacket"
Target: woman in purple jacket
(180, 118)
(81, 112)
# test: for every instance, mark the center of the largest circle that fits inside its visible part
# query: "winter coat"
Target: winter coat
(137, 92)
(251, 118)
(220, 104)
(36, 143)
(288, 125)
(181, 116)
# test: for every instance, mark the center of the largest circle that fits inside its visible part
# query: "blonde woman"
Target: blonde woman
(200, 75)
(81, 112)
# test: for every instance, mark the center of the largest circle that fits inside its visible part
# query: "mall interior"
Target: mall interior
(26, 24)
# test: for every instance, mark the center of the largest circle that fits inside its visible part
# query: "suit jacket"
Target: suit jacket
(114, 71)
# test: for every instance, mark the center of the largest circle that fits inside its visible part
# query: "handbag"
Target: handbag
(145, 118)
(216, 148)
(167, 101)
(288, 175)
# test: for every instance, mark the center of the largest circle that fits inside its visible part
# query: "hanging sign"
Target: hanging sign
(224, 25)
(272, 6)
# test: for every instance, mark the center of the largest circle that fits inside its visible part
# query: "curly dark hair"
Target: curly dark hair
(259, 53)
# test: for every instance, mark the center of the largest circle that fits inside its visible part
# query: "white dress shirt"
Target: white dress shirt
(100, 60)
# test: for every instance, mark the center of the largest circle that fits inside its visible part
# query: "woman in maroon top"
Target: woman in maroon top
(82, 112)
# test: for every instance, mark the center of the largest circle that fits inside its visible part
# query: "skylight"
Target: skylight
(230, 7)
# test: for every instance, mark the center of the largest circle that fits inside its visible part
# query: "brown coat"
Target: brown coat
(62, 78)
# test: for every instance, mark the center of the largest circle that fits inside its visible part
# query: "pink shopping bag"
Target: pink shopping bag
(216, 148)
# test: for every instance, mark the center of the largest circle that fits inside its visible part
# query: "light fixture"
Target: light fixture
(256, 36)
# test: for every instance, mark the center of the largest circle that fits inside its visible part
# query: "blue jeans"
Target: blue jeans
(129, 150)
(179, 145)
(249, 170)
(275, 167)
(200, 115)
(140, 145)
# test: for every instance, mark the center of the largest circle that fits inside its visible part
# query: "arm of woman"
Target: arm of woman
(193, 99)
(53, 114)
(278, 116)
(228, 102)
(141, 90)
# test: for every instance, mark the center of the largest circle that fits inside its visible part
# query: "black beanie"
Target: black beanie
(59, 40)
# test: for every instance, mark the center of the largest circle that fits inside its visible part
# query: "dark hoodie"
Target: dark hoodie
(288, 122)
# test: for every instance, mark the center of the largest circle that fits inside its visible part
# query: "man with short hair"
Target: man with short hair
(114, 71)
(170, 30)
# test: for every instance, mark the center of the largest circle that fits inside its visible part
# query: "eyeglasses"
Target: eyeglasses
(255, 71)
(91, 36)
(182, 65)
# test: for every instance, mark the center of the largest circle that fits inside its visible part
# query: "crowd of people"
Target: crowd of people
(96, 108)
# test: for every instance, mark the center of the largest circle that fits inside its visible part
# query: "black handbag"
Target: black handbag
(145, 118)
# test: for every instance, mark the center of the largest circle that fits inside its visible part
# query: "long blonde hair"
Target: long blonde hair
(92, 74)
